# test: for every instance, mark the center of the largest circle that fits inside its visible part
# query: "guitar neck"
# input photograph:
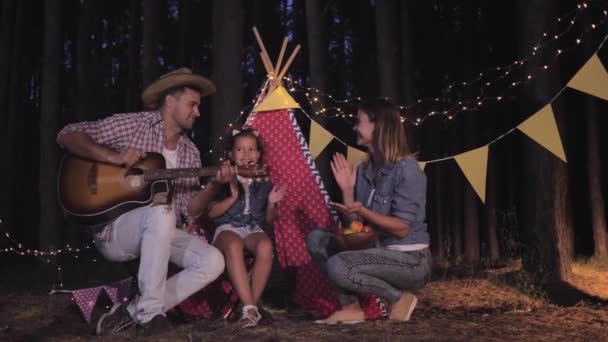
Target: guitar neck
(162, 174)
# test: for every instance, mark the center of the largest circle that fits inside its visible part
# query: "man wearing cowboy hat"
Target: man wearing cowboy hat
(150, 232)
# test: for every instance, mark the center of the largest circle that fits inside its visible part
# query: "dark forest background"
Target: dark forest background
(74, 60)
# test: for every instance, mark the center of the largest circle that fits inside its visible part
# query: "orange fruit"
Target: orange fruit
(356, 226)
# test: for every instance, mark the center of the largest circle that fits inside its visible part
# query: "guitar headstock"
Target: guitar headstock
(252, 171)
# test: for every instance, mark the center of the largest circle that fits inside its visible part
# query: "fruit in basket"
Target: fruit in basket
(352, 240)
(356, 226)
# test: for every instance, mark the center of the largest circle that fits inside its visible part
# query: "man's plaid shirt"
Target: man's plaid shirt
(144, 131)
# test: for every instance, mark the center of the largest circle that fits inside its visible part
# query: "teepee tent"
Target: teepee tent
(305, 206)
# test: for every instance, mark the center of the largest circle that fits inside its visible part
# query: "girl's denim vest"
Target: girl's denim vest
(258, 197)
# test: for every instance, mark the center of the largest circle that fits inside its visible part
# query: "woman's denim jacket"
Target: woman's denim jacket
(258, 197)
(400, 192)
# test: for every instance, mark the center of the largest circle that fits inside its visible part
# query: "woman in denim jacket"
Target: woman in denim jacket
(239, 218)
(387, 192)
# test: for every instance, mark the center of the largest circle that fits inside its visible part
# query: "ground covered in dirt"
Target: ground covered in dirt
(473, 306)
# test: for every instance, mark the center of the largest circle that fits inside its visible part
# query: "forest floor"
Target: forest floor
(480, 305)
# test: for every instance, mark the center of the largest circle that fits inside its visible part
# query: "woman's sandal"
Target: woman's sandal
(248, 319)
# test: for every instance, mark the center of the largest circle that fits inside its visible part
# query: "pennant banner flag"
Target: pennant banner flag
(355, 156)
(474, 166)
(120, 291)
(592, 79)
(86, 300)
(319, 138)
(422, 165)
(279, 98)
(542, 128)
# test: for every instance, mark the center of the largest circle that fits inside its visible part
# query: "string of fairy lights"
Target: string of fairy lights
(317, 100)
(47, 257)
(512, 75)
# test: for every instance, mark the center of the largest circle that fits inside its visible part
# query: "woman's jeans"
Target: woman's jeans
(379, 271)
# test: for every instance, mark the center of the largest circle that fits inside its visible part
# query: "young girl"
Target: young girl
(239, 219)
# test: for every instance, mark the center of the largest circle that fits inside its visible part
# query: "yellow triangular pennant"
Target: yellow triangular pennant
(592, 78)
(354, 156)
(422, 165)
(474, 165)
(319, 138)
(542, 128)
(279, 98)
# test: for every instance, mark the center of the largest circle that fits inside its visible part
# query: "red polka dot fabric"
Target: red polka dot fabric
(302, 210)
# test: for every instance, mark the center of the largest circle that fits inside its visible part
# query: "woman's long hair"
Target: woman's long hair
(388, 141)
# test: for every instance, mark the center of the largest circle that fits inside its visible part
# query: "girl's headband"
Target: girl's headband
(253, 131)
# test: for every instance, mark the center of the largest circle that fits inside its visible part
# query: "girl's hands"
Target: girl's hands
(234, 190)
(276, 194)
(346, 175)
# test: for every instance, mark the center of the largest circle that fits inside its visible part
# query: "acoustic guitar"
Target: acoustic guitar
(92, 192)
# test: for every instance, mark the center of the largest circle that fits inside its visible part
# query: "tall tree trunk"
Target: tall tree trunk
(598, 214)
(83, 60)
(8, 14)
(227, 55)
(387, 48)
(456, 209)
(491, 236)
(13, 101)
(316, 45)
(183, 41)
(544, 211)
(407, 64)
(471, 200)
(438, 245)
(133, 88)
(49, 124)
(151, 26)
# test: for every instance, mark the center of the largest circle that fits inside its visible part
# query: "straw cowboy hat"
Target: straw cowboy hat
(176, 78)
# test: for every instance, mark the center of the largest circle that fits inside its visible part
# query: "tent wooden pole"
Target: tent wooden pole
(281, 54)
(293, 55)
(266, 64)
(263, 48)
(275, 82)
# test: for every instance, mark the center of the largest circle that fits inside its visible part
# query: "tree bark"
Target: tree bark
(386, 13)
(456, 216)
(471, 225)
(133, 87)
(438, 245)
(408, 86)
(544, 211)
(491, 236)
(83, 60)
(13, 100)
(49, 124)
(151, 26)
(316, 45)
(8, 14)
(227, 55)
(598, 213)
(183, 41)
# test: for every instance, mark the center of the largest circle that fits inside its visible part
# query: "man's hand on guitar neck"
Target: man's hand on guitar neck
(127, 157)
(199, 202)
(225, 174)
